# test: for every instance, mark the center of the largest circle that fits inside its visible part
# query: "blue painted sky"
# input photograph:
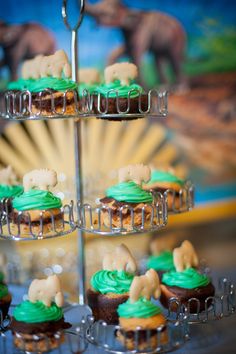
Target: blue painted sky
(96, 42)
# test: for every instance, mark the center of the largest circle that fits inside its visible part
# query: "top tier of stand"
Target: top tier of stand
(49, 104)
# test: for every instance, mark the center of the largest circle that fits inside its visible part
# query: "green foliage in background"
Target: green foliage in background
(217, 47)
(214, 51)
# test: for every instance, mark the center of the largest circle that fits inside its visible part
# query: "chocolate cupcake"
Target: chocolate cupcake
(120, 93)
(9, 188)
(5, 298)
(37, 210)
(189, 284)
(47, 78)
(48, 91)
(186, 282)
(140, 313)
(110, 286)
(128, 199)
(163, 181)
(38, 323)
(162, 262)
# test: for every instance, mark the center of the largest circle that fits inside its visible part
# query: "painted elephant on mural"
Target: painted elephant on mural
(143, 31)
(20, 42)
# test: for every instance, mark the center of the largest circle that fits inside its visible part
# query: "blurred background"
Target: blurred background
(198, 138)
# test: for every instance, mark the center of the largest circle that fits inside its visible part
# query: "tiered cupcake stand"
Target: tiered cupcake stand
(86, 218)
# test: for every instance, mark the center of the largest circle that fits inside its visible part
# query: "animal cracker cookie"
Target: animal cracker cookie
(56, 64)
(7, 176)
(159, 245)
(138, 173)
(31, 68)
(46, 290)
(89, 76)
(41, 179)
(185, 256)
(147, 285)
(43, 66)
(121, 71)
(120, 259)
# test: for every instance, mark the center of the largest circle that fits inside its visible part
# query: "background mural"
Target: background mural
(202, 120)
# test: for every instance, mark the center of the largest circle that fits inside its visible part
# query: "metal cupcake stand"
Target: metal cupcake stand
(84, 217)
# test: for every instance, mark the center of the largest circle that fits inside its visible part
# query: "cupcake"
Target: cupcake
(38, 210)
(110, 286)
(162, 181)
(89, 79)
(5, 298)
(162, 262)
(120, 91)
(9, 188)
(161, 258)
(51, 75)
(125, 196)
(186, 282)
(140, 313)
(38, 323)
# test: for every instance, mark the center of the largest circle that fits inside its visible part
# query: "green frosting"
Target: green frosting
(58, 84)
(129, 192)
(164, 261)
(164, 176)
(3, 290)
(91, 88)
(188, 279)
(140, 309)
(35, 199)
(7, 191)
(111, 281)
(123, 91)
(37, 312)
(21, 84)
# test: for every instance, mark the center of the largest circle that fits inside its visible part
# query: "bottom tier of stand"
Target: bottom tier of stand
(92, 337)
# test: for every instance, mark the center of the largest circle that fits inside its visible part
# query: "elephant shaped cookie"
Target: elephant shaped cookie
(41, 179)
(43, 66)
(147, 285)
(7, 176)
(185, 256)
(138, 173)
(120, 259)
(89, 76)
(125, 72)
(46, 290)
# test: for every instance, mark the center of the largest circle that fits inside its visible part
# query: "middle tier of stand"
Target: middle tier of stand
(96, 219)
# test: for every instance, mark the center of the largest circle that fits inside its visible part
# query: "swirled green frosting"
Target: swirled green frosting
(123, 91)
(37, 312)
(21, 84)
(129, 192)
(37, 85)
(164, 261)
(107, 281)
(7, 191)
(3, 290)
(35, 199)
(140, 309)
(164, 176)
(188, 279)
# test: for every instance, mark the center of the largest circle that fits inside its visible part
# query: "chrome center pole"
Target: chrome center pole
(78, 147)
